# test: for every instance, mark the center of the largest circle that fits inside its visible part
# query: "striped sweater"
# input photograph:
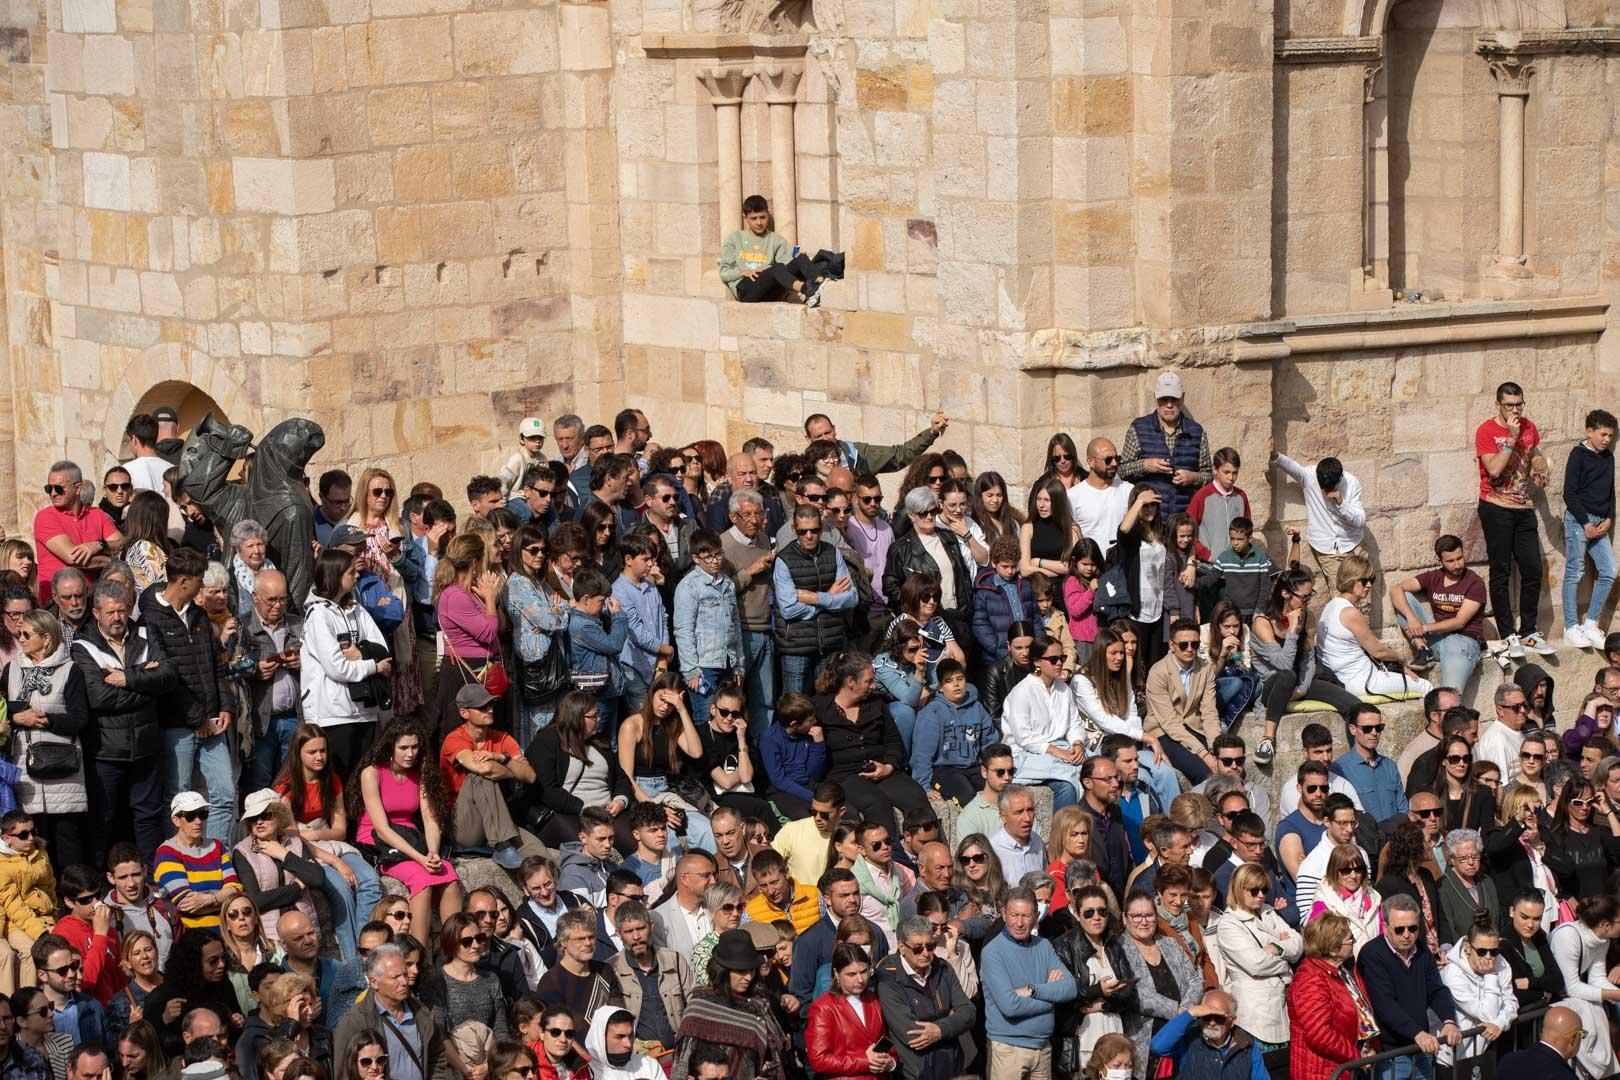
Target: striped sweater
(179, 870)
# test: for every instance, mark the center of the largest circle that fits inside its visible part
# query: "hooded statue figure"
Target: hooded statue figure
(274, 494)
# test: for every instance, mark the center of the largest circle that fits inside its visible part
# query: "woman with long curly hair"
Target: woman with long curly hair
(403, 813)
(195, 975)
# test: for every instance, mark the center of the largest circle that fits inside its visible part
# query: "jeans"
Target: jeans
(1234, 694)
(905, 718)
(184, 752)
(698, 833)
(1511, 540)
(1416, 1067)
(1063, 793)
(1577, 548)
(270, 750)
(351, 907)
(1159, 776)
(1457, 653)
(633, 696)
(759, 681)
(799, 673)
(698, 701)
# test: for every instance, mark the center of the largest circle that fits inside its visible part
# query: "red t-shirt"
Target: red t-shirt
(308, 808)
(1491, 439)
(1447, 600)
(90, 524)
(498, 742)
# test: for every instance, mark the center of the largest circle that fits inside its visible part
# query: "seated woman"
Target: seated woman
(1102, 690)
(728, 763)
(904, 676)
(731, 1014)
(659, 747)
(919, 598)
(273, 866)
(314, 792)
(402, 812)
(1349, 649)
(864, 750)
(573, 769)
(1284, 655)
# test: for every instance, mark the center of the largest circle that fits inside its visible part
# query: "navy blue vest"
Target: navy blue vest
(1150, 437)
(826, 631)
(1203, 1062)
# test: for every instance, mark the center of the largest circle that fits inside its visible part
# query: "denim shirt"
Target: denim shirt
(647, 629)
(534, 619)
(708, 627)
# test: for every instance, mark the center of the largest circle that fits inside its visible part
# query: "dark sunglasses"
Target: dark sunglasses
(382, 491)
(807, 532)
(22, 834)
(729, 714)
(87, 898)
(1061, 457)
(1050, 659)
(377, 1062)
(1526, 756)
(936, 478)
(1459, 759)
(544, 493)
(1255, 892)
(1403, 930)
(474, 939)
(973, 860)
(192, 815)
(1432, 812)
(1315, 789)
(76, 965)
(56, 489)
(558, 1033)
(1485, 952)
(1111, 459)
(820, 496)
(118, 487)
(535, 549)
(1184, 644)
(1520, 707)
(1239, 760)
(1370, 729)
(1093, 912)
(870, 499)
(878, 845)
(999, 772)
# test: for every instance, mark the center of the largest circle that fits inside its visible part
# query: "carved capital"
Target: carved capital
(1512, 74)
(726, 84)
(781, 82)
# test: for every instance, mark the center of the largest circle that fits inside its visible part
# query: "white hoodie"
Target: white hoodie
(1480, 999)
(638, 1067)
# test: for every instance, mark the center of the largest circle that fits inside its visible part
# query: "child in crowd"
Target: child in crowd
(1243, 570)
(594, 650)
(530, 451)
(1079, 591)
(1218, 503)
(1588, 516)
(1055, 622)
(952, 730)
(1001, 597)
(757, 265)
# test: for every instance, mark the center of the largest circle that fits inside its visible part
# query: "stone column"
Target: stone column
(781, 89)
(726, 86)
(1512, 90)
(1374, 286)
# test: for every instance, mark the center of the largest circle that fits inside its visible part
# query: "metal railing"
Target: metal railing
(1511, 1039)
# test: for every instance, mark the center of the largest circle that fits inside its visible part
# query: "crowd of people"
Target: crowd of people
(716, 718)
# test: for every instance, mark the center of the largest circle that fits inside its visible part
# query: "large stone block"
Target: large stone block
(688, 323)
(394, 51)
(517, 42)
(284, 186)
(106, 181)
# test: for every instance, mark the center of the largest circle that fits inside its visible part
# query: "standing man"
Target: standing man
(1508, 447)
(1588, 517)
(870, 535)
(169, 443)
(923, 1005)
(1024, 982)
(813, 591)
(814, 945)
(271, 692)
(1015, 843)
(568, 432)
(1375, 777)
(336, 500)
(655, 981)
(68, 533)
(861, 457)
(1167, 449)
(1404, 988)
(144, 466)
(743, 475)
(1450, 628)
(1500, 742)
(646, 647)
(1099, 502)
(535, 499)
(748, 559)
(1335, 520)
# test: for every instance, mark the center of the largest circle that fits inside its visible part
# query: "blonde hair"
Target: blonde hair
(1325, 933)
(280, 994)
(1063, 823)
(464, 551)
(44, 624)
(12, 546)
(362, 500)
(1354, 567)
(1248, 876)
(1515, 799)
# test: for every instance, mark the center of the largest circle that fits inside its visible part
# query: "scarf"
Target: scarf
(744, 1025)
(1179, 923)
(1430, 933)
(889, 898)
(244, 575)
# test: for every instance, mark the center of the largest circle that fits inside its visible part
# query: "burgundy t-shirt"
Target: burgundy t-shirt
(1447, 600)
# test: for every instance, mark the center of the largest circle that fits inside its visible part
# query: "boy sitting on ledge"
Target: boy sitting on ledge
(755, 262)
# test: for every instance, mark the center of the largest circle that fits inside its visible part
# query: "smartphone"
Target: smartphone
(883, 1046)
(345, 639)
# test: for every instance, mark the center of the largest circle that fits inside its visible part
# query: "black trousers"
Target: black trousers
(790, 806)
(1278, 692)
(127, 797)
(1511, 540)
(750, 806)
(879, 800)
(776, 281)
(960, 784)
(564, 828)
(347, 746)
(64, 838)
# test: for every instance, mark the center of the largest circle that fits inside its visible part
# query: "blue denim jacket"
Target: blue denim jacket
(708, 628)
(593, 650)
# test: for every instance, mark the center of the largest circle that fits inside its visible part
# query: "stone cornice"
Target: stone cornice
(1499, 43)
(725, 46)
(1329, 50)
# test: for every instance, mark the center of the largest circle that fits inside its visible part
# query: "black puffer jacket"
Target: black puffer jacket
(189, 643)
(907, 556)
(123, 719)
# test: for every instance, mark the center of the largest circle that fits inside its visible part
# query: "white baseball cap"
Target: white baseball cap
(531, 426)
(187, 801)
(1169, 385)
(258, 802)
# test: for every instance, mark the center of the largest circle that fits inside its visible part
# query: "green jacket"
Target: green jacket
(743, 251)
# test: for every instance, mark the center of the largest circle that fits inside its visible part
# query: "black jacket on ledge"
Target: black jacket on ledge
(124, 719)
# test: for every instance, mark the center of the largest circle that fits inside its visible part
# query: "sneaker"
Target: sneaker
(1515, 649)
(1265, 752)
(1577, 637)
(813, 300)
(507, 856)
(1423, 659)
(1594, 633)
(1538, 644)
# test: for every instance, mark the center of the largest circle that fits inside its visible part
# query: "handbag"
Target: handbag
(492, 676)
(547, 677)
(386, 855)
(1113, 597)
(51, 760)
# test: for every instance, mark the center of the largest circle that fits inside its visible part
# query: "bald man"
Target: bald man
(682, 921)
(339, 982)
(1548, 1059)
(1099, 501)
(1203, 1040)
(742, 474)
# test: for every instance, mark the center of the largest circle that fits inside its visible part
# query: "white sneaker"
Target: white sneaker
(1515, 649)
(1577, 637)
(1538, 644)
(1594, 633)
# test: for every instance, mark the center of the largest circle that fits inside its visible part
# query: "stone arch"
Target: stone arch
(1369, 18)
(190, 380)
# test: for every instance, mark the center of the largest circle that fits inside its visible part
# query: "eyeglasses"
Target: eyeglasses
(1525, 755)
(1429, 812)
(1371, 729)
(76, 965)
(1459, 759)
(1093, 912)
(377, 1062)
(475, 939)
(560, 1033)
(1403, 930)
(192, 815)
(55, 489)
(118, 487)
(1142, 916)
(87, 898)
(1230, 761)
(973, 860)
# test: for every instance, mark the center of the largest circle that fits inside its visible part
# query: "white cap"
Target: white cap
(186, 801)
(258, 802)
(1169, 385)
(531, 426)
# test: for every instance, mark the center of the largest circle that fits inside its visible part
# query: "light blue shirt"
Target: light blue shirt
(1378, 782)
(1018, 860)
(648, 628)
(787, 594)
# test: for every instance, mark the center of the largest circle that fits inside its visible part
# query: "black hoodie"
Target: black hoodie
(1527, 679)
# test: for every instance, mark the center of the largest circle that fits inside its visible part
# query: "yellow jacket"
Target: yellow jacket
(27, 891)
(804, 909)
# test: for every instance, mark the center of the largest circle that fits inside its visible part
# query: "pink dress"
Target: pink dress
(402, 801)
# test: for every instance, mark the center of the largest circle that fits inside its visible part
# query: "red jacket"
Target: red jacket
(838, 1040)
(1321, 1021)
(103, 974)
